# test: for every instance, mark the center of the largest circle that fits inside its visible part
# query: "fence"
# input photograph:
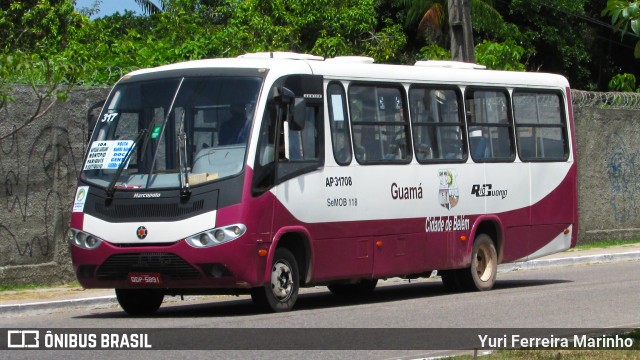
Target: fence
(605, 100)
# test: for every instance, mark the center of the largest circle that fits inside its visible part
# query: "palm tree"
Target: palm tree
(149, 7)
(431, 20)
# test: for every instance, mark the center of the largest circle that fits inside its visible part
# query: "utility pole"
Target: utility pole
(461, 31)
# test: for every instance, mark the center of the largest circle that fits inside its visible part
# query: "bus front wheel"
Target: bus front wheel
(281, 293)
(139, 302)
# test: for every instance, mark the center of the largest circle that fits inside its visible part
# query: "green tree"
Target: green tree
(149, 7)
(430, 19)
(323, 27)
(625, 15)
(500, 56)
(557, 35)
(623, 82)
(33, 37)
(38, 26)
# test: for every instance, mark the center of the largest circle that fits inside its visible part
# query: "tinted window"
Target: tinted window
(340, 136)
(379, 125)
(489, 125)
(437, 126)
(540, 126)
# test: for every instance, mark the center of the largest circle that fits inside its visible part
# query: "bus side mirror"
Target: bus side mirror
(298, 114)
(294, 108)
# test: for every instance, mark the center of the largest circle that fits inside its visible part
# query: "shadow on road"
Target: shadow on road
(319, 299)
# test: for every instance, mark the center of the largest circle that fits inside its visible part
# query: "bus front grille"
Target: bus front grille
(170, 266)
(149, 210)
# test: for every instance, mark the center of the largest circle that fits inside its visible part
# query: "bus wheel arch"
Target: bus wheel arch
(289, 267)
(492, 228)
(484, 257)
(297, 242)
(280, 293)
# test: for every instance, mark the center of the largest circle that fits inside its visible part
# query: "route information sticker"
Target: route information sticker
(107, 154)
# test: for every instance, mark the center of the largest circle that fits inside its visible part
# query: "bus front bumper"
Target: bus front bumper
(233, 265)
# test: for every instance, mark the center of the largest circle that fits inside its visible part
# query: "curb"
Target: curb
(58, 304)
(102, 301)
(568, 261)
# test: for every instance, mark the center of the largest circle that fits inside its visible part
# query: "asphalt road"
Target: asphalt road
(593, 296)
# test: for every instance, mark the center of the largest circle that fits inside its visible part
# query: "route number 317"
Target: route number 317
(108, 117)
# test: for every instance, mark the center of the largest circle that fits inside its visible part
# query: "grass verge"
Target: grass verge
(27, 287)
(606, 243)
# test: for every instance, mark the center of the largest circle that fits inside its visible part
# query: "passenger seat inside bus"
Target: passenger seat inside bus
(478, 144)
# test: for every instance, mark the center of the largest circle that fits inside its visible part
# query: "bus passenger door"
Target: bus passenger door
(291, 143)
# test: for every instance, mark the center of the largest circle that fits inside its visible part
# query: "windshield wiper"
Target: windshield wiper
(110, 190)
(185, 192)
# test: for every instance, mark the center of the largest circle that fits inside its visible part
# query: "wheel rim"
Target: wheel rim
(281, 280)
(484, 263)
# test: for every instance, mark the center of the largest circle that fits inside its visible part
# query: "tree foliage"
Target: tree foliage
(623, 82)
(624, 15)
(557, 36)
(500, 56)
(34, 39)
(535, 35)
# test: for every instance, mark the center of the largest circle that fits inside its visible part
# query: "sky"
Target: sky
(109, 7)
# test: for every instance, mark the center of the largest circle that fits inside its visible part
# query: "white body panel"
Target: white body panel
(370, 194)
(157, 232)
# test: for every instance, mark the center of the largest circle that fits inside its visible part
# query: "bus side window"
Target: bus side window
(437, 124)
(490, 125)
(379, 125)
(540, 126)
(340, 136)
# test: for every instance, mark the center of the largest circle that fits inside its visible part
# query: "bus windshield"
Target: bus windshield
(164, 133)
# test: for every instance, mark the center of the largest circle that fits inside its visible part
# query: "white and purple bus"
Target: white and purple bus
(273, 171)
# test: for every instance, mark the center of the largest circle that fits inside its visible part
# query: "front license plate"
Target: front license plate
(145, 279)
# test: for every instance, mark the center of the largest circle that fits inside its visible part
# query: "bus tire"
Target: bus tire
(139, 302)
(281, 293)
(481, 275)
(360, 288)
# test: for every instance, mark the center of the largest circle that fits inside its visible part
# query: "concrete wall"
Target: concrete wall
(40, 163)
(608, 173)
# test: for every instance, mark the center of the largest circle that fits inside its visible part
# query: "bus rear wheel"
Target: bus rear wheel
(139, 302)
(481, 275)
(281, 293)
(360, 288)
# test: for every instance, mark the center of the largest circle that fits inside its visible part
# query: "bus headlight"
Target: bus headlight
(216, 236)
(83, 240)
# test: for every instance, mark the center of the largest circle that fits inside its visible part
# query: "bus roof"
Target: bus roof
(359, 68)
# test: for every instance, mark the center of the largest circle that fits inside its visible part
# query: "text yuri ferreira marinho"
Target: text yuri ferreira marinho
(576, 341)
